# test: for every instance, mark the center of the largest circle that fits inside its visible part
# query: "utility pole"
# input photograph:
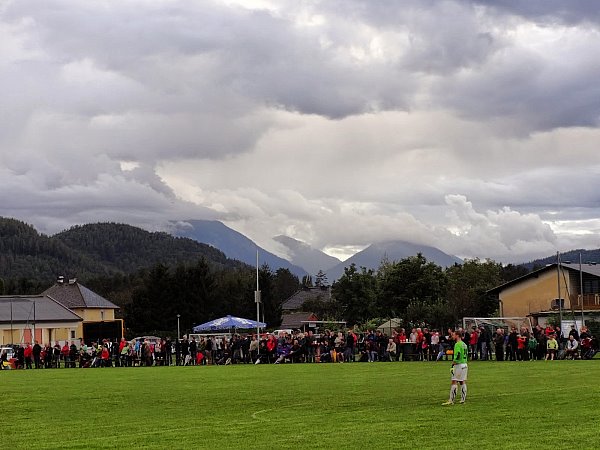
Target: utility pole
(559, 299)
(581, 289)
(11, 323)
(33, 339)
(257, 301)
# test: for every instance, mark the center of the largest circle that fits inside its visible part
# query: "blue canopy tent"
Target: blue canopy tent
(227, 322)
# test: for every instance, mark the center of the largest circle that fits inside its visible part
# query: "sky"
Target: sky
(469, 125)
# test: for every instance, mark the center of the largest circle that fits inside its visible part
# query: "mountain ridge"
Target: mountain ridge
(587, 256)
(232, 243)
(309, 258)
(395, 250)
(106, 249)
(94, 250)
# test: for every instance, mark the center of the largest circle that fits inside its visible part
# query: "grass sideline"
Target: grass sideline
(361, 405)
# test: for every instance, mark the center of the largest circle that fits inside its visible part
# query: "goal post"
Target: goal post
(493, 323)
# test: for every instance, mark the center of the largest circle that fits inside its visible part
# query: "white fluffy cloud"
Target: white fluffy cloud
(338, 123)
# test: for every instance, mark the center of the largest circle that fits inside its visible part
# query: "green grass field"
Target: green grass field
(381, 405)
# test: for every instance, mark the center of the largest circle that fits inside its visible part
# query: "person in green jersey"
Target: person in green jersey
(551, 347)
(459, 369)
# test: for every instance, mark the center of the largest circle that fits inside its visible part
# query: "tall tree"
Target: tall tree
(192, 296)
(467, 286)
(285, 284)
(355, 293)
(409, 280)
(145, 313)
(307, 281)
(511, 272)
(234, 293)
(321, 279)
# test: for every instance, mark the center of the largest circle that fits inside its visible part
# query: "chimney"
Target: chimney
(72, 281)
(60, 280)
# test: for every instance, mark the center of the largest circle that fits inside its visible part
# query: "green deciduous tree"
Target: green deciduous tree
(467, 286)
(285, 283)
(409, 280)
(355, 292)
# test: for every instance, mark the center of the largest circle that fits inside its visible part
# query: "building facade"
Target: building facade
(26, 319)
(97, 313)
(555, 288)
(67, 311)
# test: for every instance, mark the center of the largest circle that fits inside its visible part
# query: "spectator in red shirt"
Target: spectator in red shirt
(271, 347)
(105, 356)
(473, 339)
(420, 338)
(122, 344)
(28, 354)
(521, 347)
(64, 353)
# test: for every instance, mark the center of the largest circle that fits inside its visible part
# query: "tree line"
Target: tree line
(155, 276)
(152, 299)
(414, 289)
(417, 291)
(92, 250)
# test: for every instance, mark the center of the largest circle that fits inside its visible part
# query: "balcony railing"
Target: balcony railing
(590, 301)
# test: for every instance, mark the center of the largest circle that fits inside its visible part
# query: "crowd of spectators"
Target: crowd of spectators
(547, 343)
(118, 353)
(370, 346)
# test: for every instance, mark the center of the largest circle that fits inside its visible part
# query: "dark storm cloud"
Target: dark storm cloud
(438, 36)
(201, 55)
(530, 91)
(447, 120)
(571, 12)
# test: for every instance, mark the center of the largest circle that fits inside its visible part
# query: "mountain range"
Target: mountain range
(372, 256)
(305, 256)
(572, 256)
(105, 249)
(94, 250)
(234, 244)
(303, 259)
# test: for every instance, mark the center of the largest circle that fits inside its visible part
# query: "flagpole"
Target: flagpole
(559, 300)
(257, 300)
(581, 289)
(11, 323)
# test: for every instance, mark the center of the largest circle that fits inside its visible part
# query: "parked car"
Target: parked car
(287, 331)
(6, 354)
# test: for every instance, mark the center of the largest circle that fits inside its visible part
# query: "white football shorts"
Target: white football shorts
(460, 372)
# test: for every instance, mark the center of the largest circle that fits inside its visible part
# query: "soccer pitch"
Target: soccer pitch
(360, 405)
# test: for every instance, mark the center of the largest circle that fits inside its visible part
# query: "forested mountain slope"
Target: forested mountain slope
(93, 250)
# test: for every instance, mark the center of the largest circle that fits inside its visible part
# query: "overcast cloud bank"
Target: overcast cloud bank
(471, 126)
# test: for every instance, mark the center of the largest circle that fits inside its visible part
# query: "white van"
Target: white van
(281, 332)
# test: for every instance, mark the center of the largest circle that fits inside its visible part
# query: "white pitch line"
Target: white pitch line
(255, 414)
(540, 391)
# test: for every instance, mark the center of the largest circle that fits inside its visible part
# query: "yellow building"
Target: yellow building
(29, 318)
(98, 313)
(537, 293)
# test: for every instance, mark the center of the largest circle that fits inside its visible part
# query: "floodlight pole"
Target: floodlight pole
(257, 301)
(581, 289)
(11, 323)
(559, 299)
(178, 333)
(34, 322)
